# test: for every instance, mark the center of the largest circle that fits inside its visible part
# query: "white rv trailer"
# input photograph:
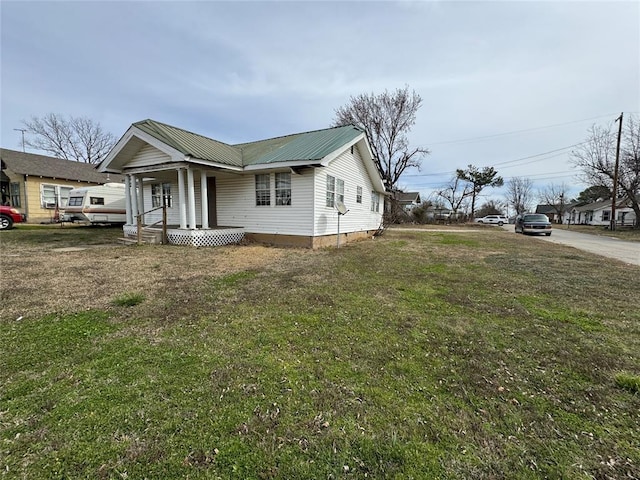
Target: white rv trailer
(97, 204)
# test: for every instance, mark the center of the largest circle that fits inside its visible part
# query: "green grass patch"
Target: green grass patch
(628, 382)
(129, 299)
(481, 356)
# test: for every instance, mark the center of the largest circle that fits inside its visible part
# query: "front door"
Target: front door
(211, 194)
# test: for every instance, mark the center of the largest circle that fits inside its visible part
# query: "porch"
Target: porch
(211, 237)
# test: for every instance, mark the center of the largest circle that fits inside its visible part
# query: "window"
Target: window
(331, 190)
(160, 191)
(54, 195)
(375, 202)
(263, 189)
(49, 198)
(335, 190)
(75, 201)
(283, 188)
(96, 200)
(606, 215)
(14, 192)
(340, 190)
(358, 194)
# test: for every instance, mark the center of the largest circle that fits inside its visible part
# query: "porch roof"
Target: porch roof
(187, 143)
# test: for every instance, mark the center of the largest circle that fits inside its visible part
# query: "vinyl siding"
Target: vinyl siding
(347, 167)
(236, 205)
(173, 213)
(148, 156)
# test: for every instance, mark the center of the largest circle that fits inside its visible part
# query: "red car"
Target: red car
(9, 216)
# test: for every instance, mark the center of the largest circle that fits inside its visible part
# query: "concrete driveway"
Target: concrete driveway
(627, 252)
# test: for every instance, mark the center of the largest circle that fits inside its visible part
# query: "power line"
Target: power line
(473, 139)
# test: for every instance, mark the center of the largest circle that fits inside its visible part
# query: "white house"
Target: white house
(282, 190)
(599, 213)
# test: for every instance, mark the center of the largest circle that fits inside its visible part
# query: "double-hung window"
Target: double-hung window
(335, 190)
(340, 190)
(331, 191)
(283, 188)
(53, 196)
(375, 202)
(14, 192)
(263, 189)
(158, 191)
(358, 194)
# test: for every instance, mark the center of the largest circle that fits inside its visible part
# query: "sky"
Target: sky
(502, 83)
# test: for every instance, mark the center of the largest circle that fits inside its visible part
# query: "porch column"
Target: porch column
(191, 194)
(141, 200)
(182, 201)
(127, 199)
(134, 198)
(204, 199)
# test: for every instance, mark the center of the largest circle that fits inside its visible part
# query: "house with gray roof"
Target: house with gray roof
(599, 213)
(306, 189)
(39, 185)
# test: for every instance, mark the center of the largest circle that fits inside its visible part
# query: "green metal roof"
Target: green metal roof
(192, 144)
(308, 146)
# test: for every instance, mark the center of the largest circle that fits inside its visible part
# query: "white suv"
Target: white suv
(495, 219)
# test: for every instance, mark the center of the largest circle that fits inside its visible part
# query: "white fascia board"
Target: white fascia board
(136, 132)
(336, 153)
(209, 163)
(282, 165)
(367, 158)
(154, 142)
(156, 168)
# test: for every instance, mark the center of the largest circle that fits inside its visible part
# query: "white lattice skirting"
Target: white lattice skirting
(196, 238)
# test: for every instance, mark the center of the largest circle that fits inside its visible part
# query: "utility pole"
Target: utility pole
(615, 175)
(21, 130)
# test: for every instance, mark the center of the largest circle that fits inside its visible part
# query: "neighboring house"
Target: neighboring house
(551, 211)
(599, 213)
(407, 200)
(282, 190)
(548, 210)
(39, 186)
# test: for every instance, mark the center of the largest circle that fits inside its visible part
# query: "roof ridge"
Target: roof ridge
(182, 129)
(294, 135)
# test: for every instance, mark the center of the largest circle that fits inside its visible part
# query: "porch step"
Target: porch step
(127, 241)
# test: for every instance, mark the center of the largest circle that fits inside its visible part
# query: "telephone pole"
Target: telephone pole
(21, 130)
(615, 175)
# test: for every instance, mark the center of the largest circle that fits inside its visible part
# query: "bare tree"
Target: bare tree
(456, 193)
(73, 138)
(479, 179)
(519, 193)
(555, 195)
(596, 158)
(386, 118)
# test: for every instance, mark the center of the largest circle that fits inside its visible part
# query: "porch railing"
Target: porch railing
(163, 220)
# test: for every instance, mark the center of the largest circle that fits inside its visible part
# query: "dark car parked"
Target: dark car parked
(9, 216)
(533, 223)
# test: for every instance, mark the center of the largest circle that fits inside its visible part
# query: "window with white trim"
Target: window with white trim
(331, 191)
(283, 188)
(14, 192)
(358, 194)
(335, 190)
(158, 191)
(263, 189)
(52, 196)
(375, 202)
(340, 190)
(606, 215)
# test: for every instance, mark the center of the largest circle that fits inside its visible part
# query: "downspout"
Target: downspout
(26, 199)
